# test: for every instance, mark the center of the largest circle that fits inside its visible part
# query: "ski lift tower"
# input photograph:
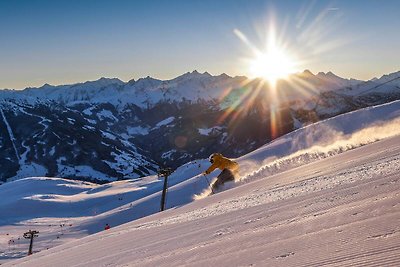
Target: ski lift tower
(164, 173)
(30, 235)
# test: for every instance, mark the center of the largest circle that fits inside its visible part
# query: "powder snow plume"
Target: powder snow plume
(335, 142)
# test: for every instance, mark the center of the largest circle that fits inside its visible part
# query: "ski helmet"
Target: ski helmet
(212, 157)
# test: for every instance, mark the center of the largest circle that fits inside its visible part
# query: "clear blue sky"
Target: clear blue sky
(60, 42)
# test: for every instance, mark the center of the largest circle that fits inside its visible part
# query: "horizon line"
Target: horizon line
(188, 72)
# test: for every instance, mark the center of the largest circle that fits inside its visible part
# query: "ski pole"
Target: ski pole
(209, 184)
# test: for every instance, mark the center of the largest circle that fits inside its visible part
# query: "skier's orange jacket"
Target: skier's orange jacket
(220, 162)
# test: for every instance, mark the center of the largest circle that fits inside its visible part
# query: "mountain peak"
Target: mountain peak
(393, 75)
(102, 82)
(224, 75)
(329, 73)
(148, 80)
(193, 74)
(110, 80)
(46, 85)
(306, 73)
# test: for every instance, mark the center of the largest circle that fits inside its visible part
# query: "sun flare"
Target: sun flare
(272, 65)
(275, 52)
(272, 62)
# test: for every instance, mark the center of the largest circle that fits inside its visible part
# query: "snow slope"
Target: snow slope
(302, 200)
(343, 210)
(64, 210)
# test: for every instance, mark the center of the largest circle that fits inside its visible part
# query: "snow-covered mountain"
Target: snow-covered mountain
(338, 178)
(145, 92)
(387, 84)
(109, 130)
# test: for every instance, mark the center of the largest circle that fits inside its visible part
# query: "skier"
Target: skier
(230, 169)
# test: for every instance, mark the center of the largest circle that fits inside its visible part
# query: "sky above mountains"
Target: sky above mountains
(61, 42)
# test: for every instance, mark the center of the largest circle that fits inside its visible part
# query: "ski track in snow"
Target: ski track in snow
(42, 122)
(28, 169)
(10, 133)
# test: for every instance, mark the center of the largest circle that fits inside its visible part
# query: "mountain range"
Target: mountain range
(109, 130)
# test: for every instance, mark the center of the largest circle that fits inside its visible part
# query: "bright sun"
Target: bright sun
(272, 65)
(273, 62)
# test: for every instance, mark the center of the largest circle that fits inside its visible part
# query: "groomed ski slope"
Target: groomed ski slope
(340, 211)
(273, 220)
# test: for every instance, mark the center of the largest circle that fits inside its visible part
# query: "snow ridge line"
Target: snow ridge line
(10, 133)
